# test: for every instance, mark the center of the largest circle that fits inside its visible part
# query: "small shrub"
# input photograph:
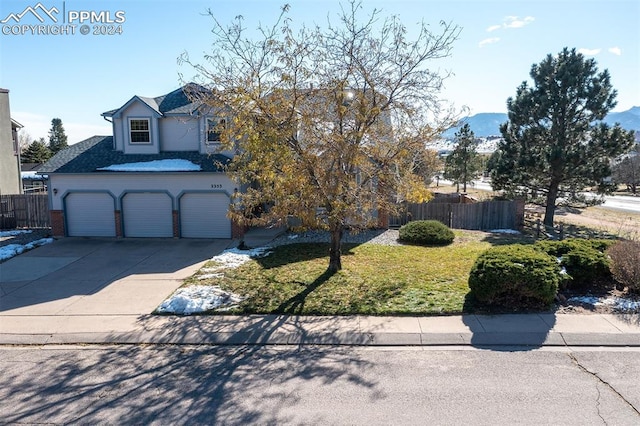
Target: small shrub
(585, 261)
(515, 277)
(426, 232)
(625, 264)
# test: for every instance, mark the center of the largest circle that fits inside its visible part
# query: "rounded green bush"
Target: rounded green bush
(515, 277)
(584, 261)
(426, 232)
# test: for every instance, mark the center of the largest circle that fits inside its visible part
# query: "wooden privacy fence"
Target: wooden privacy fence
(485, 215)
(24, 211)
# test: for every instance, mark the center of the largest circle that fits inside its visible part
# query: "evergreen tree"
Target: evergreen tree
(462, 166)
(36, 152)
(555, 143)
(57, 137)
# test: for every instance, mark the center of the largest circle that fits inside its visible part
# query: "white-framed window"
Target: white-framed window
(214, 129)
(139, 130)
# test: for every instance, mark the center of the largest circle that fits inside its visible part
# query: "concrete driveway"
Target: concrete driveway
(76, 277)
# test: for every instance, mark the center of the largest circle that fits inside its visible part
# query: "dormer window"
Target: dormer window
(139, 130)
(214, 130)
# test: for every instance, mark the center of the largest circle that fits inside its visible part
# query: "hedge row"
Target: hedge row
(529, 276)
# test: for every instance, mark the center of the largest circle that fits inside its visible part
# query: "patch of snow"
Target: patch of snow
(505, 231)
(175, 165)
(11, 250)
(232, 258)
(33, 175)
(198, 298)
(617, 303)
(210, 276)
(201, 298)
(14, 233)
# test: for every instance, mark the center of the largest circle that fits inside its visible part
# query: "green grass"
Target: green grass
(375, 279)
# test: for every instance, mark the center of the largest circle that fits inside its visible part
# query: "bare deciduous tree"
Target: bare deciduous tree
(324, 119)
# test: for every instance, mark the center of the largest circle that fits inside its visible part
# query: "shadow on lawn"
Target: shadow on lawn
(295, 304)
(300, 252)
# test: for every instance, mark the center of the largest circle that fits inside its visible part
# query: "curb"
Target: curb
(480, 340)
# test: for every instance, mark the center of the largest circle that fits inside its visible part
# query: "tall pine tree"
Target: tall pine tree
(462, 166)
(57, 137)
(555, 143)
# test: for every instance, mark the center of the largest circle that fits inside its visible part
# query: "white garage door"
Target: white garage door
(147, 215)
(204, 216)
(90, 215)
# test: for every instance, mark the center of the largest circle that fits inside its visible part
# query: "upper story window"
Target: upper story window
(214, 129)
(139, 130)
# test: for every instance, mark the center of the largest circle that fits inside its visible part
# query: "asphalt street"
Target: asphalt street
(317, 385)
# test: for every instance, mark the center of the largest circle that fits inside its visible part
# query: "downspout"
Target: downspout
(113, 130)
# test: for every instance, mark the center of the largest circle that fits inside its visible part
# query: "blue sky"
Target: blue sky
(77, 77)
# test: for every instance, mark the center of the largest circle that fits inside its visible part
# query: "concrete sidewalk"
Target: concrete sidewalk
(526, 330)
(102, 291)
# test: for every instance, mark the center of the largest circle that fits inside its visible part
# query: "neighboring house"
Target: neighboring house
(159, 175)
(32, 181)
(10, 182)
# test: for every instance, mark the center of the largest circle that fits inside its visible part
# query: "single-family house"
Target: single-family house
(10, 182)
(159, 175)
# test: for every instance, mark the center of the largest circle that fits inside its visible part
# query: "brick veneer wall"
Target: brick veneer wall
(118, 218)
(57, 223)
(176, 224)
(237, 230)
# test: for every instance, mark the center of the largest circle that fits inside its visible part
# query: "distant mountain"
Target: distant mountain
(488, 123)
(629, 119)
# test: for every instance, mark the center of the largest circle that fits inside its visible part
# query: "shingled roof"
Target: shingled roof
(180, 101)
(97, 152)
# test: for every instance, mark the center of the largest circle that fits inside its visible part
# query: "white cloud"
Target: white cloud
(488, 41)
(615, 50)
(493, 28)
(515, 22)
(589, 52)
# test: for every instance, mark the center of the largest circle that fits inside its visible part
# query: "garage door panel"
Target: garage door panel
(90, 215)
(147, 215)
(205, 216)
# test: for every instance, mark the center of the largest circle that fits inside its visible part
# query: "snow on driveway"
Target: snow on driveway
(201, 298)
(11, 250)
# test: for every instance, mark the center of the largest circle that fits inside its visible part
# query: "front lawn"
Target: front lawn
(375, 279)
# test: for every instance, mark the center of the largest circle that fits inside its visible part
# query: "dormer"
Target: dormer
(168, 123)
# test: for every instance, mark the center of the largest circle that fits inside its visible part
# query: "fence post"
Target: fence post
(561, 231)
(538, 228)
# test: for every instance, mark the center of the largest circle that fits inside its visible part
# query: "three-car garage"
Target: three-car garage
(142, 214)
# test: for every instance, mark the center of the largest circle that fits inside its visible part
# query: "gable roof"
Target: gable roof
(97, 152)
(177, 102)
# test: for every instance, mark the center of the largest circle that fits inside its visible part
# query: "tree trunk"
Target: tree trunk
(335, 261)
(550, 210)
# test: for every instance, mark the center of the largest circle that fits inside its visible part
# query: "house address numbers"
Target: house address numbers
(216, 185)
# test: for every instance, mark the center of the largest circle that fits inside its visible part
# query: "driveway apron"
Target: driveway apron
(80, 276)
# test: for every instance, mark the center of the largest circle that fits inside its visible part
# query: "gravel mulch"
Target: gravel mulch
(387, 237)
